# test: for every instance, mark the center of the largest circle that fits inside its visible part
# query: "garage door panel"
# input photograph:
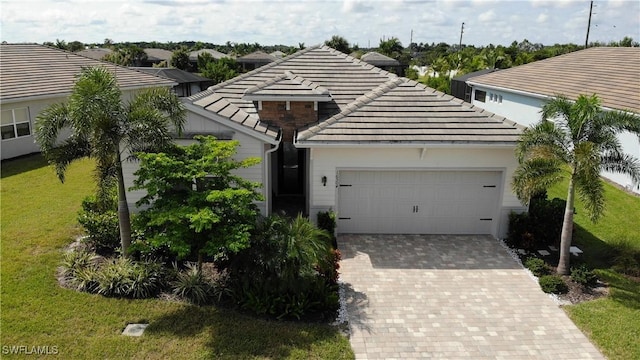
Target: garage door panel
(438, 202)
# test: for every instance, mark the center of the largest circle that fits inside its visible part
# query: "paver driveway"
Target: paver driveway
(444, 296)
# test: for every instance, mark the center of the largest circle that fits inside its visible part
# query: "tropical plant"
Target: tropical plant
(127, 56)
(220, 70)
(103, 127)
(192, 285)
(553, 284)
(180, 59)
(391, 47)
(577, 140)
(196, 205)
(339, 43)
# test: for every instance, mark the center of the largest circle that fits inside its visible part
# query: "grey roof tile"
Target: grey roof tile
(369, 104)
(31, 70)
(613, 73)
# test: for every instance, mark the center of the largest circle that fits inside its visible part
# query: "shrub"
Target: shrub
(123, 277)
(540, 227)
(192, 286)
(583, 276)
(537, 266)
(79, 270)
(100, 221)
(626, 257)
(553, 284)
(327, 222)
(288, 270)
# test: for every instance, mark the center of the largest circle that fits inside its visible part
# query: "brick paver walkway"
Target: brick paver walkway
(455, 297)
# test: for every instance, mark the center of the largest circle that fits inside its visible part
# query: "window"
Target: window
(500, 99)
(491, 97)
(480, 95)
(15, 123)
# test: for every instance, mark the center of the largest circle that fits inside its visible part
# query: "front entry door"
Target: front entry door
(291, 170)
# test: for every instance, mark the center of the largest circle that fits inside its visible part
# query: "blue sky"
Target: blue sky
(271, 22)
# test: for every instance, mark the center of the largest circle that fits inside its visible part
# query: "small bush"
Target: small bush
(192, 286)
(626, 258)
(79, 269)
(123, 277)
(538, 228)
(100, 221)
(537, 266)
(553, 284)
(327, 221)
(583, 276)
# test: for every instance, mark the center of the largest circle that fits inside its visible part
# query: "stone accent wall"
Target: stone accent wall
(300, 113)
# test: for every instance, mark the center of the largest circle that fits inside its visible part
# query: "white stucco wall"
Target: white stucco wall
(525, 110)
(24, 145)
(329, 161)
(249, 147)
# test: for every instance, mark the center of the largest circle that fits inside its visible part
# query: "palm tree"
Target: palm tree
(579, 140)
(102, 127)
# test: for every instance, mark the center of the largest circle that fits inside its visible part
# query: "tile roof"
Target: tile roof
(177, 75)
(377, 59)
(31, 70)
(193, 56)
(158, 54)
(287, 85)
(353, 85)
(613, 73)
(256, 56)
(401, 110)
(96, 54)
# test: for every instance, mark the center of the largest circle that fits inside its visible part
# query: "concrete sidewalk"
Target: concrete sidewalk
(453, 297)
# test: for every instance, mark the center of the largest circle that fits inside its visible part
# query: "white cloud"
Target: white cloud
(542, 18)
(487, 16)
(356, 6)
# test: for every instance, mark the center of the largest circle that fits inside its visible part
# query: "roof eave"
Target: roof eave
(408, 144)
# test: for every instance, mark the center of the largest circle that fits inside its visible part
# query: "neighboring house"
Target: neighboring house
(388, 154)
(255, 60)
(156, 56)
(193, 56)
(96, 53)
(383, 62)
(460, 88)
(187, 83)
(612, 73)
(278, 54)
(34, 77)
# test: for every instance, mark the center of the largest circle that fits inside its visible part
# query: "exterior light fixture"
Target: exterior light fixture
(324, 181)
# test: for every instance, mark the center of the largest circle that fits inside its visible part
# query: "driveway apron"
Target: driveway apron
(449, 296)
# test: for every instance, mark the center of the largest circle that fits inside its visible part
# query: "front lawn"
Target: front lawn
(612, 323)
(39, 220)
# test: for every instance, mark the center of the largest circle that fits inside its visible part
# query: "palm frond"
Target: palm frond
(61, 156)
(163, 100)
(49, 123)
(535, 175)
(546, 137)
(619, 162)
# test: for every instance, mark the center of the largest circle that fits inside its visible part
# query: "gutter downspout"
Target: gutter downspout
(267, 168)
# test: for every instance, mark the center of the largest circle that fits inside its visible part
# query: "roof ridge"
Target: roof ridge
(362, 63)
(353, 106)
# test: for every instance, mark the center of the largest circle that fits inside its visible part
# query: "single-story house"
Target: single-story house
(187, 83)
(460, 88)
(383, 62)
(255, 60)
(95, 53)
(388, 154)
(612, 73)
(156, 56)
(34, 76)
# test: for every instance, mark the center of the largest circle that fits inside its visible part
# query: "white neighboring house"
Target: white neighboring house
(34, 76)
(389, 155)
(612, 73)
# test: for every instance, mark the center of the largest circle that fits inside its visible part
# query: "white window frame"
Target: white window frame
(14, 124)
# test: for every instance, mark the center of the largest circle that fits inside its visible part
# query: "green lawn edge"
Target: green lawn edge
(38, 219)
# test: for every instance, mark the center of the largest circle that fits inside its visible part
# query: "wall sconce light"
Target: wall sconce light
(324, 181)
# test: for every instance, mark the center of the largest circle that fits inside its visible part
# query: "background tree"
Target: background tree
(180, 59)
(391, 47)
(579, 143)
(102, 127)
(131, 55)
(197, 206)
(221, 70)
(339, 43)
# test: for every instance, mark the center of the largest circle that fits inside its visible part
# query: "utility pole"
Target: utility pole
(411, 38)
(586, 42)
(460, 46)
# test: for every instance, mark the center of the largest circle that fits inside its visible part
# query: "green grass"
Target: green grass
(612, 323)
(38, 220)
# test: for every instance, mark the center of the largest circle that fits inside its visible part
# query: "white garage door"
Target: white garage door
(418, 202)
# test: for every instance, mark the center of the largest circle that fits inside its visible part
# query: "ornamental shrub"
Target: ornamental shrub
(553, 284)
(583, 276)
(537, 266)
(99, 218)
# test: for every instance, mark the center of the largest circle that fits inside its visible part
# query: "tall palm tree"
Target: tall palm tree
(103, 127)
(579, 140)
